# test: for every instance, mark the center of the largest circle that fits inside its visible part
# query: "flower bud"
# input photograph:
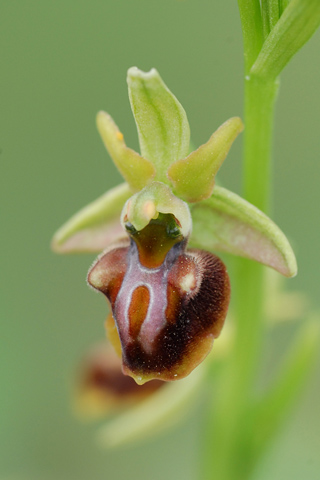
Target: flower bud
(101, 386)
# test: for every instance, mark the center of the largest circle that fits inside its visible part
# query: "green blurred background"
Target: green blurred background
(61, 62)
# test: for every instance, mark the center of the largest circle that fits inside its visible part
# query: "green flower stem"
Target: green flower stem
(249, 282)
(229, 451)
(260, 95)
(273, 32)
(236, 460)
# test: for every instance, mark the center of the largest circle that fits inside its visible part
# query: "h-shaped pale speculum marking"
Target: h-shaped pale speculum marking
(155, 280)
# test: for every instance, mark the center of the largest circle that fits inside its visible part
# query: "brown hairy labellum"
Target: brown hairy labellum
(168, 303)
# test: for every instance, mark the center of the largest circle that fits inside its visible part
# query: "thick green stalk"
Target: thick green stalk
(259, 108)
(273, 32)
(249, 281)
(249, 286)
(228, 449)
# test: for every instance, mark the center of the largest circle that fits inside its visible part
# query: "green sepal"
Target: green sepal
(156, 198)
(95, 226)
(161, 411)
(228, 223)
(136, 170)
(276, 405)
(193, 177)
(162, 124)
(297, 24)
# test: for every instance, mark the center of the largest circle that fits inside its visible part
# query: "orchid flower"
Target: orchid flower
(159, 233)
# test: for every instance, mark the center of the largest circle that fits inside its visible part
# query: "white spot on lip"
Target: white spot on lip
(188, 282)
(96, 278)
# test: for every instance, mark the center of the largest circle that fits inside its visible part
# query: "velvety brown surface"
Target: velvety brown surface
(194, 312)
(198, 316)
(102, 371)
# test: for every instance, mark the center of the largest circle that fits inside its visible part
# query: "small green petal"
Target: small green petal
(162, 124)
(160, 411)
(156, 198)
(226, 222)
(193, 177)
(95, 226)
(136, 170)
